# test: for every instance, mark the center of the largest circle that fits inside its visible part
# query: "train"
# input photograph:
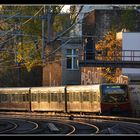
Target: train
(106, 99)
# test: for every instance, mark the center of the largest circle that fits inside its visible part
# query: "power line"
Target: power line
(33, 16)
(7, 40)
(58, 48)
(71, 26)
(61, 33)
(26, 20)
(65, 32)
(9, 18)
(20, 26)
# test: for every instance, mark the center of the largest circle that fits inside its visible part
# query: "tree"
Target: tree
(33, 28)
(24, 51)
(110, 49)
(128, 19)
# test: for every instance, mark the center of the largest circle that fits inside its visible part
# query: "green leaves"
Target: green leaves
(128, 19)
(28, 55)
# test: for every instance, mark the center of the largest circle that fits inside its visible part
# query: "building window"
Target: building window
(72, 59)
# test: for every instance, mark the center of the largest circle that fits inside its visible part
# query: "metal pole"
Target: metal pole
(48, 19)
(15, 46)
(43, 34)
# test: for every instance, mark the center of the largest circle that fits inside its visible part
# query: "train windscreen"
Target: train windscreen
(114, 93)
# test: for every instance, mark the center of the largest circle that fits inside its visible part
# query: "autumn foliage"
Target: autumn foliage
(110, 50)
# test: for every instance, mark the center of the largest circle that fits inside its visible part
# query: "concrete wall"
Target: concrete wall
(90, 75)
(99, 22)
(134, 91)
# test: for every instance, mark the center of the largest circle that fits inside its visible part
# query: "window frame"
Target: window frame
(72, 56)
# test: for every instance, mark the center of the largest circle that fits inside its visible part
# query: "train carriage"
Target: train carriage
(49, 99)
(115, 99)
(106, 99)
(83, 98)
(14, 99)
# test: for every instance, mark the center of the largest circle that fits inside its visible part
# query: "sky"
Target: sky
(65, 8)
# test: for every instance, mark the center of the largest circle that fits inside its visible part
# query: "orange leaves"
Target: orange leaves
(109, 45)
(111, 50)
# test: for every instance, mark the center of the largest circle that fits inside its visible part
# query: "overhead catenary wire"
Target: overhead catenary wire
(33, 16)
(62, 32)
(28, 19)
(9, 18)
(20, 25)
(37, 64)
(58, 48)
(65, 32)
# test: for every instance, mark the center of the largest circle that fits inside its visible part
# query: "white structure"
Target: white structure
(131, 41)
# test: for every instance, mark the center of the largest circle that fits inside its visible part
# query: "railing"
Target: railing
(120, 55)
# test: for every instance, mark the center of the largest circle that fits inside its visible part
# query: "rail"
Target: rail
(119, 58)
(119, 55)
(63, 116)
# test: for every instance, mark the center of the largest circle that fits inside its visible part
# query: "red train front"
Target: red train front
(115, 100)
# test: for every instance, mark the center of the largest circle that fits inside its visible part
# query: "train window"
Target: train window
(0, 98)
(47, 97)
(13, 97)
(76, 96)
(20, 98)
(81, 95)
(54, 97)
(68, 97)
(34, 97)
(94, 97)
(63, 97)
(24, 97)
(60, 97)
(86, 96)
(73, 97)
(39, 97)
(27, 97)
(4, 97)
(91, 97)
(44, 97)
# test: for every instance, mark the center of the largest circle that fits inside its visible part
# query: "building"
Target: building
(63, 67)
(98, 22)
(64, 70)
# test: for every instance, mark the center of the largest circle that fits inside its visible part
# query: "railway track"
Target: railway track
(79, 127)
(119, 127)
(37, 123)
(18, 126)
